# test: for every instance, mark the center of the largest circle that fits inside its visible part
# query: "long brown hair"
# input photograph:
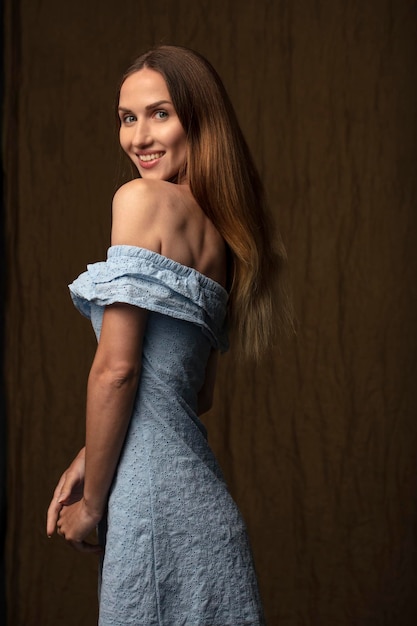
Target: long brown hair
(224, 181)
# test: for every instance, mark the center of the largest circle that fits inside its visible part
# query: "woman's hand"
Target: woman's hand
(75, 523)
(68, 490)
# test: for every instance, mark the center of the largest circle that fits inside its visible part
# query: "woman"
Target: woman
(190, 258)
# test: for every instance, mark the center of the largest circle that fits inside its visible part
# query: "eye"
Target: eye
(161, 115)
(128, 118)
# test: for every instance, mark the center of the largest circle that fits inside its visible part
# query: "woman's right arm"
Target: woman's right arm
(131, 214)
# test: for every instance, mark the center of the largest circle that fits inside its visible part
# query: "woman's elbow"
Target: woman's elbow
(115, 375)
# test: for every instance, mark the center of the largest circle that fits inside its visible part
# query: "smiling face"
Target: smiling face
(151, 133)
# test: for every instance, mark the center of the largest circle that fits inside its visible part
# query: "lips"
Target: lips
(148, 160)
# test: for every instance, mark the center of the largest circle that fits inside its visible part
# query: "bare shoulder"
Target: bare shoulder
(136, 213)
(137, 190)
(165, 217)
(147, 212)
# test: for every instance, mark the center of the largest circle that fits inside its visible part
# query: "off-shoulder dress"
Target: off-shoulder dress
(176, 548)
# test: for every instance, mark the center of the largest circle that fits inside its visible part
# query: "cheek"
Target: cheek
(181, 142)
(175, 138)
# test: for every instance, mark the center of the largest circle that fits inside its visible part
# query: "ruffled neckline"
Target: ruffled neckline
(166, 263)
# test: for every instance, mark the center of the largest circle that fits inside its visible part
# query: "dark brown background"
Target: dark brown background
(318, 442)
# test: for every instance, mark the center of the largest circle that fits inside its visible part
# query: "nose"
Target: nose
(141, 134)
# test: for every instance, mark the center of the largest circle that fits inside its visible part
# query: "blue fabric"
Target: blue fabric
(176, 549)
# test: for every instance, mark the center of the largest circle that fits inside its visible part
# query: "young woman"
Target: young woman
(191, 259)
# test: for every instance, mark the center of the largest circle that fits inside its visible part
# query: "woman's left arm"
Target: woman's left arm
(111, 390)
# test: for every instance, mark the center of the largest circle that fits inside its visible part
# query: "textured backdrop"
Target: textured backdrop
(319, 440)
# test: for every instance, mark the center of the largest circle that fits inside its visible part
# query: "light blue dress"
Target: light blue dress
(176, 549)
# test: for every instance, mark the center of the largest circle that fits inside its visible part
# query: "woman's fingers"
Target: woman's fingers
(68, 490)
(80, 546)
(52, 516)
(54, 508)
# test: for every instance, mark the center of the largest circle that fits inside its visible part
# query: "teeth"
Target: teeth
(150, 157)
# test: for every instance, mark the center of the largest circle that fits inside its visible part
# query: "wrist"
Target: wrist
(93, 510)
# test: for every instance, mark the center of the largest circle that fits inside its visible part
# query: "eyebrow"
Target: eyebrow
(148, 107)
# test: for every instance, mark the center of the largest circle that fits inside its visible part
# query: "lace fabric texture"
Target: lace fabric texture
(176, 548)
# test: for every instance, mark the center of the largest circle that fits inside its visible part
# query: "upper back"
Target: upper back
(164, 217)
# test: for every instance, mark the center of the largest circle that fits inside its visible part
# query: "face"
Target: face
(150, 131)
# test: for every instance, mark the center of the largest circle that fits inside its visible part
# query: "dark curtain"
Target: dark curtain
(318, 441)
(2, 389)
